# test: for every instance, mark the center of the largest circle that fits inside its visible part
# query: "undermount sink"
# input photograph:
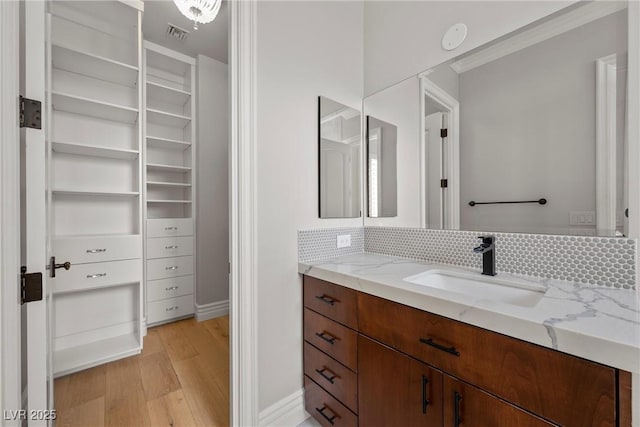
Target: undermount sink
(520, 293)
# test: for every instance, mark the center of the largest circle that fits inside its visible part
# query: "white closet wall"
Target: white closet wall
(170, 183)
(95, 181)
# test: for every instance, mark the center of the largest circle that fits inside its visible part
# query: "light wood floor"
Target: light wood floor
(181, 378)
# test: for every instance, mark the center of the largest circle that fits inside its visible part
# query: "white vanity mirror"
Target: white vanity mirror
(527, 133)
(339, 148)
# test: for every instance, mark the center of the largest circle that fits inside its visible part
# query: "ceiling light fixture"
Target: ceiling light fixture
(199, 11)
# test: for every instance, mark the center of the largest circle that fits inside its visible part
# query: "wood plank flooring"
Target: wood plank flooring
(181, 379)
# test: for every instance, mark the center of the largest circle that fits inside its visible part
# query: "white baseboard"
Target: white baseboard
(286, 412)
(212, 310)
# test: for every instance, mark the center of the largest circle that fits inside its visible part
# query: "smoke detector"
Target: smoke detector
(177, 33)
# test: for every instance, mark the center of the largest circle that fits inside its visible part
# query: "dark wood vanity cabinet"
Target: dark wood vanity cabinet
(393, 365)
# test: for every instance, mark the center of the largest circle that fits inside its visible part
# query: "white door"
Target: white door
(36, 366)
(435, 170)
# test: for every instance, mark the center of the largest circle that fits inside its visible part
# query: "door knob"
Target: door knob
(53, 266)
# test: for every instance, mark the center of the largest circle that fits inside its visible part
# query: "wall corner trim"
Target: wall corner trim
(288, 411)
(212, 310)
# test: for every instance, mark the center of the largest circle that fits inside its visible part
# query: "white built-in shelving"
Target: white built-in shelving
(95, 184)
(169, 130)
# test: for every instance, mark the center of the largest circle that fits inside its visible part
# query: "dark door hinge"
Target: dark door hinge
(444, 133)
(444, 183)
(30, 113)
(30, 286)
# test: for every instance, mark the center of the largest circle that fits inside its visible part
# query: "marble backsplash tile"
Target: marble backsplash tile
(320, 243)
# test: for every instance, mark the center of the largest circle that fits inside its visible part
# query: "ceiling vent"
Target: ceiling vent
(177, 33)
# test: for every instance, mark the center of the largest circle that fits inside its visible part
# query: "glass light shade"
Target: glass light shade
(199, 11)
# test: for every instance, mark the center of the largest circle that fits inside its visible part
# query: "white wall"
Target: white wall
(403, 37)
(527, 131)
(212, 227)
(304, 49)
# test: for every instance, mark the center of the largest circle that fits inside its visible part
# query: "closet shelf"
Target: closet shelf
(167, 168)
(83, 192)
(169, 201)
(167, 184)
(175, 144)
(93, 150)
(99, 67)
(167, 94)
(92, 236)
(93, 108)
(84, 356)
(167, 119)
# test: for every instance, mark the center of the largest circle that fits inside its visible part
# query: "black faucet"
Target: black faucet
(488, 250)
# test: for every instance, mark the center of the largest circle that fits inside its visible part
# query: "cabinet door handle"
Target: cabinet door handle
(425, 400)
(171, 228)
(175, 267)
(327, 299)
(171, 308)
(171, 288)
(95, 276)
(330, 377)
(326, 336)
(325, 416)
(457, 398)
(450, 350)
(96, 251)
(171, 247)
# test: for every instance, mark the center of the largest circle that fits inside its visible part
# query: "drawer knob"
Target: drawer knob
(96, 251)
(451, 350)
(95, 276)
(171, 308)
(171, 247)
(175, 267)
(171, 228)
(331, 377)
(171, 288)
(325, 416)
(327, 299)
(326, 336)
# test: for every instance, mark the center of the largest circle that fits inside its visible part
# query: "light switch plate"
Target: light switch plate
(343, 241)
(582, 218)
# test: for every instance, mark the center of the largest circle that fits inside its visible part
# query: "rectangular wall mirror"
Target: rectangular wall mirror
(382, 185)
(524, 134)
(339, 158)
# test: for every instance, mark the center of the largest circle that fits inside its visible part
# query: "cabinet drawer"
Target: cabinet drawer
(159, 311)
(97, 275)
(169, 288)
(164, 247)
(81, 250)
(324, 408)
(169, 267)
(332, 376)
(334, 339)
(169, 227)
(538, 379)
(335, 302)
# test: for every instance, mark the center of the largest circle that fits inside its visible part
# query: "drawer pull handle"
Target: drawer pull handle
(95, 276)
(171, 247)
(457, 398)
(425, 400)
(171, 229)
(171, 308)
(171, 288)
(325, 416)
(95, 251)
(175, 267)
(330, 377)
(450, 350)
(326, 336)
(327, 299)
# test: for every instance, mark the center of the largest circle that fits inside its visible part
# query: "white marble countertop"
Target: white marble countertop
(596, 323)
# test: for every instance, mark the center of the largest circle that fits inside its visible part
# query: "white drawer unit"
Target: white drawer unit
(164, 268)
(169, 227)
(82, 250)
(160, 311)
(84, 277)
(164, 247)
(169, 288)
